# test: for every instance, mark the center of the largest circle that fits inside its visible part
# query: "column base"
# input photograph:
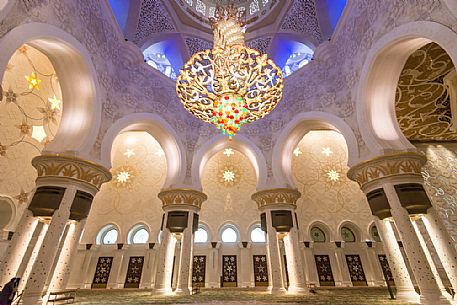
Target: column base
(274, 290)
(162, 291)
(297, 290)
(32, 299)
(183, 291)
(407, 296)
(434, 300)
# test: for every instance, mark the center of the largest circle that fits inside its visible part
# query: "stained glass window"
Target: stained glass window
(375, 234)
(254, 7)
(201, 7)
(159, 61)
(347, 235)
(297, 60)
(317, 235)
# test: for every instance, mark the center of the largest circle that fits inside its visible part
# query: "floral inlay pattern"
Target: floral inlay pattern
(30, 112)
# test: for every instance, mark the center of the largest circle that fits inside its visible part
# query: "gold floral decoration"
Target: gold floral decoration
(423, 108)
(124, 176)
(229, 176)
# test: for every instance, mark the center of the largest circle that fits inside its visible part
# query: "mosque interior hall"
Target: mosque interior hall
(233, 152)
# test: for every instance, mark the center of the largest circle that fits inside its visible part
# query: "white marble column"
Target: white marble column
(430, 261)
(369, 267)
(403, 284)
(86, 268)
(430, 291)
(146, 278)
(374, 275)
(45, 259)
(275, 276)
(39, 241)
(246, 265)
(61, 274)
(213, 271)
(443, 244)
(164, 269)
(313, 277)
(18, 246)
(184, 285)
(342, 268)
(115, 279)
(297, 283)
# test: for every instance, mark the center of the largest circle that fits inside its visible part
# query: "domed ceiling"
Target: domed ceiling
(275, 27)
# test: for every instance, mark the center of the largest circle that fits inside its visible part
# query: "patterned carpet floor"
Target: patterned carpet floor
(232, 296)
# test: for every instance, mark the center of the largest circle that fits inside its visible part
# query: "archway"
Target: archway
(162, 132)
(81, 116)
(379, 79)
(139, 169)
(294, 132)
(218, 143)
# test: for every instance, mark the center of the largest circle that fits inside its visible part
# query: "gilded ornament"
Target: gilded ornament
(387, 166)
(71, 167)
(231, 84)
(276, 196)
(182, 197)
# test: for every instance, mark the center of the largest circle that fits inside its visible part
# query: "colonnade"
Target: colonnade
(55, 218)
(393, 184)
(396, 196)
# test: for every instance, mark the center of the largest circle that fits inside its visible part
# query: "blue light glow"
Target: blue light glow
(335, 9)
(120, 10)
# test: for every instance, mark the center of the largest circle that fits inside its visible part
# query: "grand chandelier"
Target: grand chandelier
(231, 84)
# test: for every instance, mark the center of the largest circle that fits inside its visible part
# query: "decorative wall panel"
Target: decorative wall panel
(423, 105)
(135, 267)
(260, 270)
(319, 168)
(102, 272)
(229, 271)
(386, 269)
(199, 270)
(324, 270)
(356, 270)
(30, 112)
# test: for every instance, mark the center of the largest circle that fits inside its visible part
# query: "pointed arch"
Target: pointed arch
(375, 102)
(81, 114)
(161, 131)
(240, 143)
(294, 132)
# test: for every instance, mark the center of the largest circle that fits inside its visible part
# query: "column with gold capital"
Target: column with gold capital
(65, 188)
(278, 206)
(394, 188)
(181, 207)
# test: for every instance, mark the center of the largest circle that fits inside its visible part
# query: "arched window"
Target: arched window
(164, 56)
(229, 235)
(300, 57)
(257, 235)
(138, 235)
(108, 235)
(201, 235)
(317, 235)
(347, 235)
(374, 233)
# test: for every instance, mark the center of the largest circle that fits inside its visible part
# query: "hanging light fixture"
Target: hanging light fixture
(231, 84)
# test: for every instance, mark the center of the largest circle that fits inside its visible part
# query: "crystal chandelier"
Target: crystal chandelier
(231, 84)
